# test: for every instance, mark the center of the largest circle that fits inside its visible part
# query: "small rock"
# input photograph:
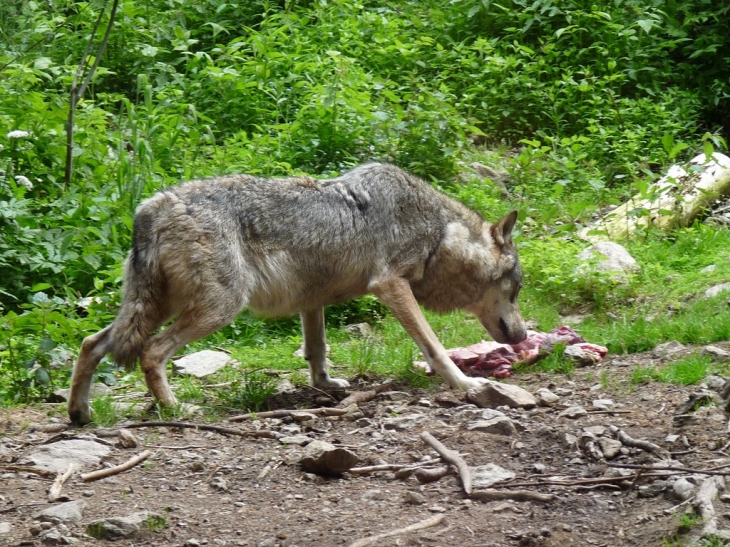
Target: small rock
(202, 363)
(414, 498)
(121, 527)
(573, 412)
(539, 468)
(323, 458)
(672, 439)
(652, 490)
(682, 489)
(484, 476)
(219, 483)
(610, 447)
(127, 439)
(602, 404)
(437, 509)
(403, 423)
(192, 543)
(496, 394)
(717, 289)
(300, 440)
(545, 397)
(568, 440)
(608, 257)
(563, 391)
(302, 416)
(708, 269)
(715, 383)
(372, 495)
(597, 430)
(361, 330)
(499, 425)
(718, 354)
(5, 528)
(667, 349)
(69, 511)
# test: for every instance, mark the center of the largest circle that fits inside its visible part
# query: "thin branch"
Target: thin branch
(54, 492)
(451, 457)
(422, 525)
(358, 397)
(517, 495)
(129, 464)
(286, 413)
(204, 427)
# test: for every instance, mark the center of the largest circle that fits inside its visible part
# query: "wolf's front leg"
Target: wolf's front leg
(396, 293)
(315, 351)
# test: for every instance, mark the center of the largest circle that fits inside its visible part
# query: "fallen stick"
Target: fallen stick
(101, 473)
(358, 397)
(675, 469)
(517, 495)
(425, 475)
(203, 427)
(28, 469)
(422, 525)
(285, 413)
(582, 482)
(703, 505)
(54, 492)
(627, 440)
(451, 457)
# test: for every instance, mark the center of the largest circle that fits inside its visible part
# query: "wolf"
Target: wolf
(205, 250)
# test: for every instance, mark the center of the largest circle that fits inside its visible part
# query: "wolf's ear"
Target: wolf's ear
(502, 230)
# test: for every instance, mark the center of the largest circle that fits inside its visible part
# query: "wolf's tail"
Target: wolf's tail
(141, 310)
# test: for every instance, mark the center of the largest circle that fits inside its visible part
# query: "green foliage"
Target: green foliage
(251, 392)
(584, 102)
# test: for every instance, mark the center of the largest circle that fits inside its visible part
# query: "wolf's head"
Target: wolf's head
(497, 309)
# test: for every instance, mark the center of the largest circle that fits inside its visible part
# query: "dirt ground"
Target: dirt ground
(216, 489)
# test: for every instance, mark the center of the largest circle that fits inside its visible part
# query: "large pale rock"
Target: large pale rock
(202, 363)
(97, 390)
(485, 476)
(124, 527)
(497, 425)
(65, 512)
(608, 257)
(324, 458)
(545, 397)
(494, 394)
(58, 456)
(675, 200)
(713, 291)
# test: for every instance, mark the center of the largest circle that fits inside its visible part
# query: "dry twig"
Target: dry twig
(627, 440)
(101, 473)
(54, 492)
(358, 397)
(451, 457)
(422, 525)
(286, 413)
(517, 495)
(204, 427)
(675, 469)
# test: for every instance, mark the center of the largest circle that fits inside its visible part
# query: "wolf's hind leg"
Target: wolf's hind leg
(93, 349)
(192, 324)
(315, 351)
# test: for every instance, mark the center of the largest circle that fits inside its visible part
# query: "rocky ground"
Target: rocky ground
(553, 463)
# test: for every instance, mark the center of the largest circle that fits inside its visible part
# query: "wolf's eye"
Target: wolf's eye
(513, 298)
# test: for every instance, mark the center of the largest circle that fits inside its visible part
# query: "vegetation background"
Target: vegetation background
(582, 103)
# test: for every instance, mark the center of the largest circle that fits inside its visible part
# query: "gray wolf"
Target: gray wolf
(205, 250)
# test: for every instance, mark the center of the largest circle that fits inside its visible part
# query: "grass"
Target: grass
(686, 371)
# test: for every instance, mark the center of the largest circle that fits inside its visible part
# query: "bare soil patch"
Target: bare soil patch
(216, 489)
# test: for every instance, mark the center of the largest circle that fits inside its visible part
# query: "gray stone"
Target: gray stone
(568, 440)
(602, 404)
(7, 454)
(97, 390)
(323, 458)
(485, 476)
(414, 498)
(608, 257)
(300, 440)
(5, 528)
(545, 397)
(403, 423)
(123, 527)
(610, 447)
(573, 412)
(499, 425)
(202, 363)
(682, 489)
(69, 511)
(494, 394)
(58, 456)
(597, 430)
(372, 495)
(717, 289)
(667, 349)
(652, 490)
(718, 354)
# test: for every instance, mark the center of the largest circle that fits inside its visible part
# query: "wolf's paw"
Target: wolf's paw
(80, 416)
(477, 383)
(331, 383)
